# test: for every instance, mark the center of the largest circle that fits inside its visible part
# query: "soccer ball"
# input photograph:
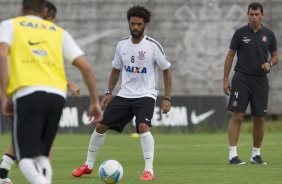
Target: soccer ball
(110, 171)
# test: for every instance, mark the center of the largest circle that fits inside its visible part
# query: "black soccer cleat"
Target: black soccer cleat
(236, 161)
(257, 160)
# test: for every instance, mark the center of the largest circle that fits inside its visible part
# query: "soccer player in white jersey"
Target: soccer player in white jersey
(33, 87)
(138, 58)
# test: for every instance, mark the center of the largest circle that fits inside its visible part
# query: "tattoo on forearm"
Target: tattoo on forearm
(167, 83)
(113, 80)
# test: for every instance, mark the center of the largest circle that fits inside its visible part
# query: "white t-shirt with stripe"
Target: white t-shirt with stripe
(139, 64)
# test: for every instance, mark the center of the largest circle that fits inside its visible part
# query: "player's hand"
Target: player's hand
(165, 106)
(266, 67)
(226, 87)
(95, 112)
(75, 90)
(106, 100)
(7, 106)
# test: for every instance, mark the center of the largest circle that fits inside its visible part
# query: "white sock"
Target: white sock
(6, 162)
(147, 145)
(96, 141)
(232, 152)
(255, 152)
(45, 165)
(32, 171)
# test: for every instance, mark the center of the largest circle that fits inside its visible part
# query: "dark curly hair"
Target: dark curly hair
(139, 11)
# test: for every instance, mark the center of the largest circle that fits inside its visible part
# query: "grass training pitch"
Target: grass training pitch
(179, 159)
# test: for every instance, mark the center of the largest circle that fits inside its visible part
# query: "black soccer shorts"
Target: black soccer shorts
(121, 111)
(249, 89)
(35, 123)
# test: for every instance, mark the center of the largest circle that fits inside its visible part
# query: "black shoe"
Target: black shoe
(236, 161)
(257, 160)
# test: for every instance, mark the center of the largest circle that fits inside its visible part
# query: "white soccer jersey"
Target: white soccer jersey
(139, 64)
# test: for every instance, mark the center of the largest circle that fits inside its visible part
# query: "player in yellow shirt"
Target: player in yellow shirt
(42, 87)
(8, 158)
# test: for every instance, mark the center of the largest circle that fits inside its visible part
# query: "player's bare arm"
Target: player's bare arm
(4, 50)
(274, 58)
(75, 90)
(89, 79)
(6, 101)
(114, 76)
(227, 68)
(273, 61)
(166, 103)
(113, 79)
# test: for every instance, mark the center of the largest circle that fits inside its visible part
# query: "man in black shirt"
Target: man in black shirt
(253, 43)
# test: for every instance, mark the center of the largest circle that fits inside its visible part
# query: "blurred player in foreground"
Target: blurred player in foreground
(8, 159)
(34, 91)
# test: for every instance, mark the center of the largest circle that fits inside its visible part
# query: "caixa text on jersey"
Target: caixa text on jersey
(135, 69)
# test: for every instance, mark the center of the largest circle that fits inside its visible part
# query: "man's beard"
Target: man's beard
(136, 36)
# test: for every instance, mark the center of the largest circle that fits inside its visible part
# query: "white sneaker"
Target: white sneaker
(5, 181)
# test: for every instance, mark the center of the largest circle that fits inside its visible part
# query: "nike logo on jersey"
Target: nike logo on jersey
(196, 119)
(35, 43)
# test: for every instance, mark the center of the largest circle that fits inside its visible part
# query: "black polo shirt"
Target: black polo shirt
(252, 49)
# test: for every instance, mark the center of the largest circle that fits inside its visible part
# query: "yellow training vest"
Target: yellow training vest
(36, 57)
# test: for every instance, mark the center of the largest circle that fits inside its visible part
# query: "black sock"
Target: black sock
(3, 173)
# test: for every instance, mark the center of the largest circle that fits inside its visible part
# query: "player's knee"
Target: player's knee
(100, 128)
(238, 119)
(143, 127)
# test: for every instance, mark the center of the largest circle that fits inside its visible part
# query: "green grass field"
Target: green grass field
(179, 159)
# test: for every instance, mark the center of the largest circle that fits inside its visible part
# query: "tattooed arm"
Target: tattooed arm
(166, 104)
(111, 86)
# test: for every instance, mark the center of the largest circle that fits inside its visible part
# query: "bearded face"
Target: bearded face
(137, 27)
